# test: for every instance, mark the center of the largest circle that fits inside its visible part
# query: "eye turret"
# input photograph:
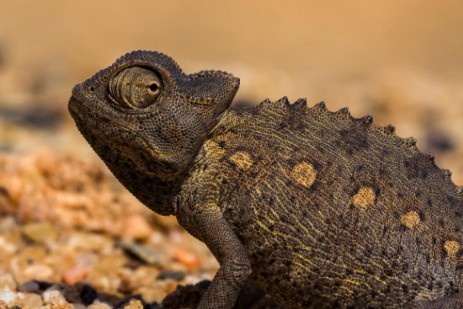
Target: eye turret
(135, 87)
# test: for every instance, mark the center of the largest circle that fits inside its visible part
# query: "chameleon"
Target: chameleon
(317, 208)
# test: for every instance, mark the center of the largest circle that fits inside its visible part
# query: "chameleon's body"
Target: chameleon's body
(326, 210)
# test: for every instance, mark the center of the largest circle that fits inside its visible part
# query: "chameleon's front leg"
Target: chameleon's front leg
(208, 224)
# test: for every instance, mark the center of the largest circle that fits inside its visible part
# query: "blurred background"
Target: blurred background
(401, 61)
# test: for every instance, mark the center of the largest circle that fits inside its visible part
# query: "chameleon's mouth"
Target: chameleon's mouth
(82, 114)
(74, 108)
(94, 123)
(86, 107)
(108, 135)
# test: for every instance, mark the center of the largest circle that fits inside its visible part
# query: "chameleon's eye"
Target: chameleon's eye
(135, 87)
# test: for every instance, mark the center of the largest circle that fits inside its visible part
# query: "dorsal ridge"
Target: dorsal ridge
(300, 106)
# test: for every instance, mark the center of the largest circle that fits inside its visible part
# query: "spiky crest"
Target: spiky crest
(300, 106)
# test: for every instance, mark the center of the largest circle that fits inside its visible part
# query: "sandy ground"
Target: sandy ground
(400, 61)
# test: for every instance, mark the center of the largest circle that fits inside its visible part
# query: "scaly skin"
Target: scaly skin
(318, 208)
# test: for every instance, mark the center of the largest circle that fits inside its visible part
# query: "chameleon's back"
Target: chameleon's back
(335, 210)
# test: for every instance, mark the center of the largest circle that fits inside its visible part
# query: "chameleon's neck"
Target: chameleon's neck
(155, 193)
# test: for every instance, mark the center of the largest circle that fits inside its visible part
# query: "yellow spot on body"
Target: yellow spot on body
(304, 174)
(213, 149)
(452, 248)
(364, 198)
(410, 219)
(242, 160)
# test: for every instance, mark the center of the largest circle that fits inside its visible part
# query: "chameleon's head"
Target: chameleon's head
(147, 119)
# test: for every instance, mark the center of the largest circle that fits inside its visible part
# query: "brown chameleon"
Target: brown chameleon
(319, 209)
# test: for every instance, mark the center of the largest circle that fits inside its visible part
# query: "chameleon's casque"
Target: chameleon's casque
(320, 209)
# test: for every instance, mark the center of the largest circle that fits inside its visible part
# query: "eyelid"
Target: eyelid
(131, 87)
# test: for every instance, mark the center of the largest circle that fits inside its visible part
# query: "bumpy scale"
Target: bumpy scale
(319, 209)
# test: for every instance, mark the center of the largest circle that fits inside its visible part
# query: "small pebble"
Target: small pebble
(75, 274)
(145, 254)
(30, 287)
(53, 297)
(99, 306)
(72, 200)
(7, 282)
(38, 272)
(174, 275)
(37, 233)
(188, 259)
(30, 300)
(134, 304)
(7, 247)
(88, 294)
(7, 224)
(7, 296)
(34, 286)
(88, 242)
(176, 236)
(87, 259)
(136, 227)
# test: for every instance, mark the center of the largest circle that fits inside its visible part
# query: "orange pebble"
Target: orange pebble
(136, 227)
(75, 274)
(188, 259)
